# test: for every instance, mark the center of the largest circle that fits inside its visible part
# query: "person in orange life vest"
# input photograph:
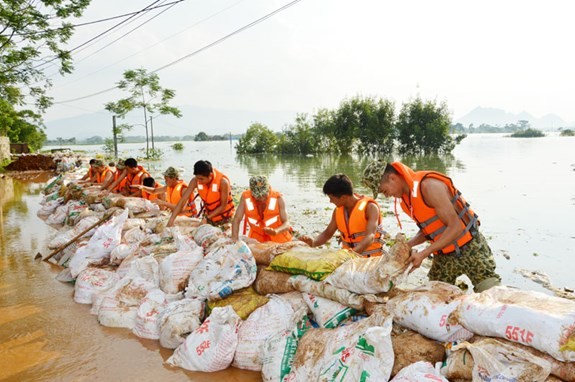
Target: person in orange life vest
(265, 212)
(215, 190)
(101, 172)
(151, 183)
(88, 176)
(132, 175)
(444, 219)
(356, 216)
(119, 169)
(171, 193)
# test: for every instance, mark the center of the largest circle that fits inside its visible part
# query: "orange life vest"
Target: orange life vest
(101, 176)
(133, 179)
(353, 227)
(174, 194)
(270, 219)
(210, 195)
(426, 217)
(146, 195)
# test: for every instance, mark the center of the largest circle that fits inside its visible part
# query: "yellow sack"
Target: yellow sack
(243, 301)
(315, 263)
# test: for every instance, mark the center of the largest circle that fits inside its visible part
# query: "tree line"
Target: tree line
(364, 125)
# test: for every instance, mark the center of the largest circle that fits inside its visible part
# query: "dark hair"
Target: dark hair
(149, 182)
(338, 185)
(203, 167)
(112, 164)
(92, 161)
(131, 162)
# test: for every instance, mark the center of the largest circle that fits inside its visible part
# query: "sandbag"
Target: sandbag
(176, 268)
(206, 234)
(420, 371)
(264, 253)
(147, 315)
(210, 347)
(427, 309)
(543, 322)
(93, 281)
(272, 282)
(348, 353)
(410, 347)
(118, 308)
(375, 274)
(243, 301)
(179, 319)
(327, 313)
(315, 263)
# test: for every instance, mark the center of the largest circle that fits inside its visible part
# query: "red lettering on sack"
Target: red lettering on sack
(517, 334)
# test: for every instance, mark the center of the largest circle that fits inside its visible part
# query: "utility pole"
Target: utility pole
(115, 137)
(152, 131)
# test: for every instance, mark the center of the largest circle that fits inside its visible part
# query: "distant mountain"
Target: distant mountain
(498, 117)
(193, 121)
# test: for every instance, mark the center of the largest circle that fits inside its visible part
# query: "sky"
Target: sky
(512, 55)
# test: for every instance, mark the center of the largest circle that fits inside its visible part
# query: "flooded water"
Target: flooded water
(522, 189)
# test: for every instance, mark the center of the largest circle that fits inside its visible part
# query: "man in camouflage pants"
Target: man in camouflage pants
(444, 218)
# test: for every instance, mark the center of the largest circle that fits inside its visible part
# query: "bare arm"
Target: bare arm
(372, 215)
(323, 237)
(115, 183)
(151, 190)
(240, 212)
(285, 226)
(183, 200)
(437, 195)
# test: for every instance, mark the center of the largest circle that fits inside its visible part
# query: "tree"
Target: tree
(299, 138)
(423, 128)
(23, 126)
(32, 33)
(201, 136)
(146, 94)
(258, 139)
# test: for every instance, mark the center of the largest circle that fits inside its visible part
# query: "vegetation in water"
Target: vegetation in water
(528, 133)
(178, 146)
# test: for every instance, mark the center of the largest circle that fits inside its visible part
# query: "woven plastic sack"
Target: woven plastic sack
(244, 302)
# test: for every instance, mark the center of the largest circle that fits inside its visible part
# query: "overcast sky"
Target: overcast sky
(513, 55)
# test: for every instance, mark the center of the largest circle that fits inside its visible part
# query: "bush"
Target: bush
(178, 146)
(528, 133)
(567, 133)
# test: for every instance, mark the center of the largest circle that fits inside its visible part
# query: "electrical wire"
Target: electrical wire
(245, 27)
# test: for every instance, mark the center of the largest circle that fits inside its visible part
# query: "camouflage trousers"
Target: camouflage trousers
(476, 261)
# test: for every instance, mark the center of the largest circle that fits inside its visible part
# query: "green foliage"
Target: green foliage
(178, 146)
(32, 37)
(108, 148)
(567, 133)
(154, 154)
(423, 128)
(529, 133)
(201, 136)
(299, 138)
(258, 139)
(23, 126)
(145, 93)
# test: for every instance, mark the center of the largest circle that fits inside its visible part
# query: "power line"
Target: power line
(245, 27)
(93, 22)
(149, 47)
(98, 36)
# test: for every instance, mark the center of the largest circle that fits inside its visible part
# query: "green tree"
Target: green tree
(299, 138)
(23, 126)
(376, 130)
(423, 128)
(324, 126)
(146, 94)
(201, 136)
(32, 33)
(257, 139)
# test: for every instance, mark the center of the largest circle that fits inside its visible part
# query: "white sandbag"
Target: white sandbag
(210, 347)
(419, 372)
(206, 234)
(426, 310)
(280, 349)
(121, 252)
(101, 244)
(349, 353)
(119, 306)
(222, 271)
(543, 322)
(375, 274)
(58, 217)
(179, 319)
(93, 281)
(137, 205)
(133, 235)
(148, 313)
(497, 361)
(49, 207)
(133, 223)
(66, 234)
(176, 268)
(74, 212)
(146, 267)
(270, 319)
(327, 313)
